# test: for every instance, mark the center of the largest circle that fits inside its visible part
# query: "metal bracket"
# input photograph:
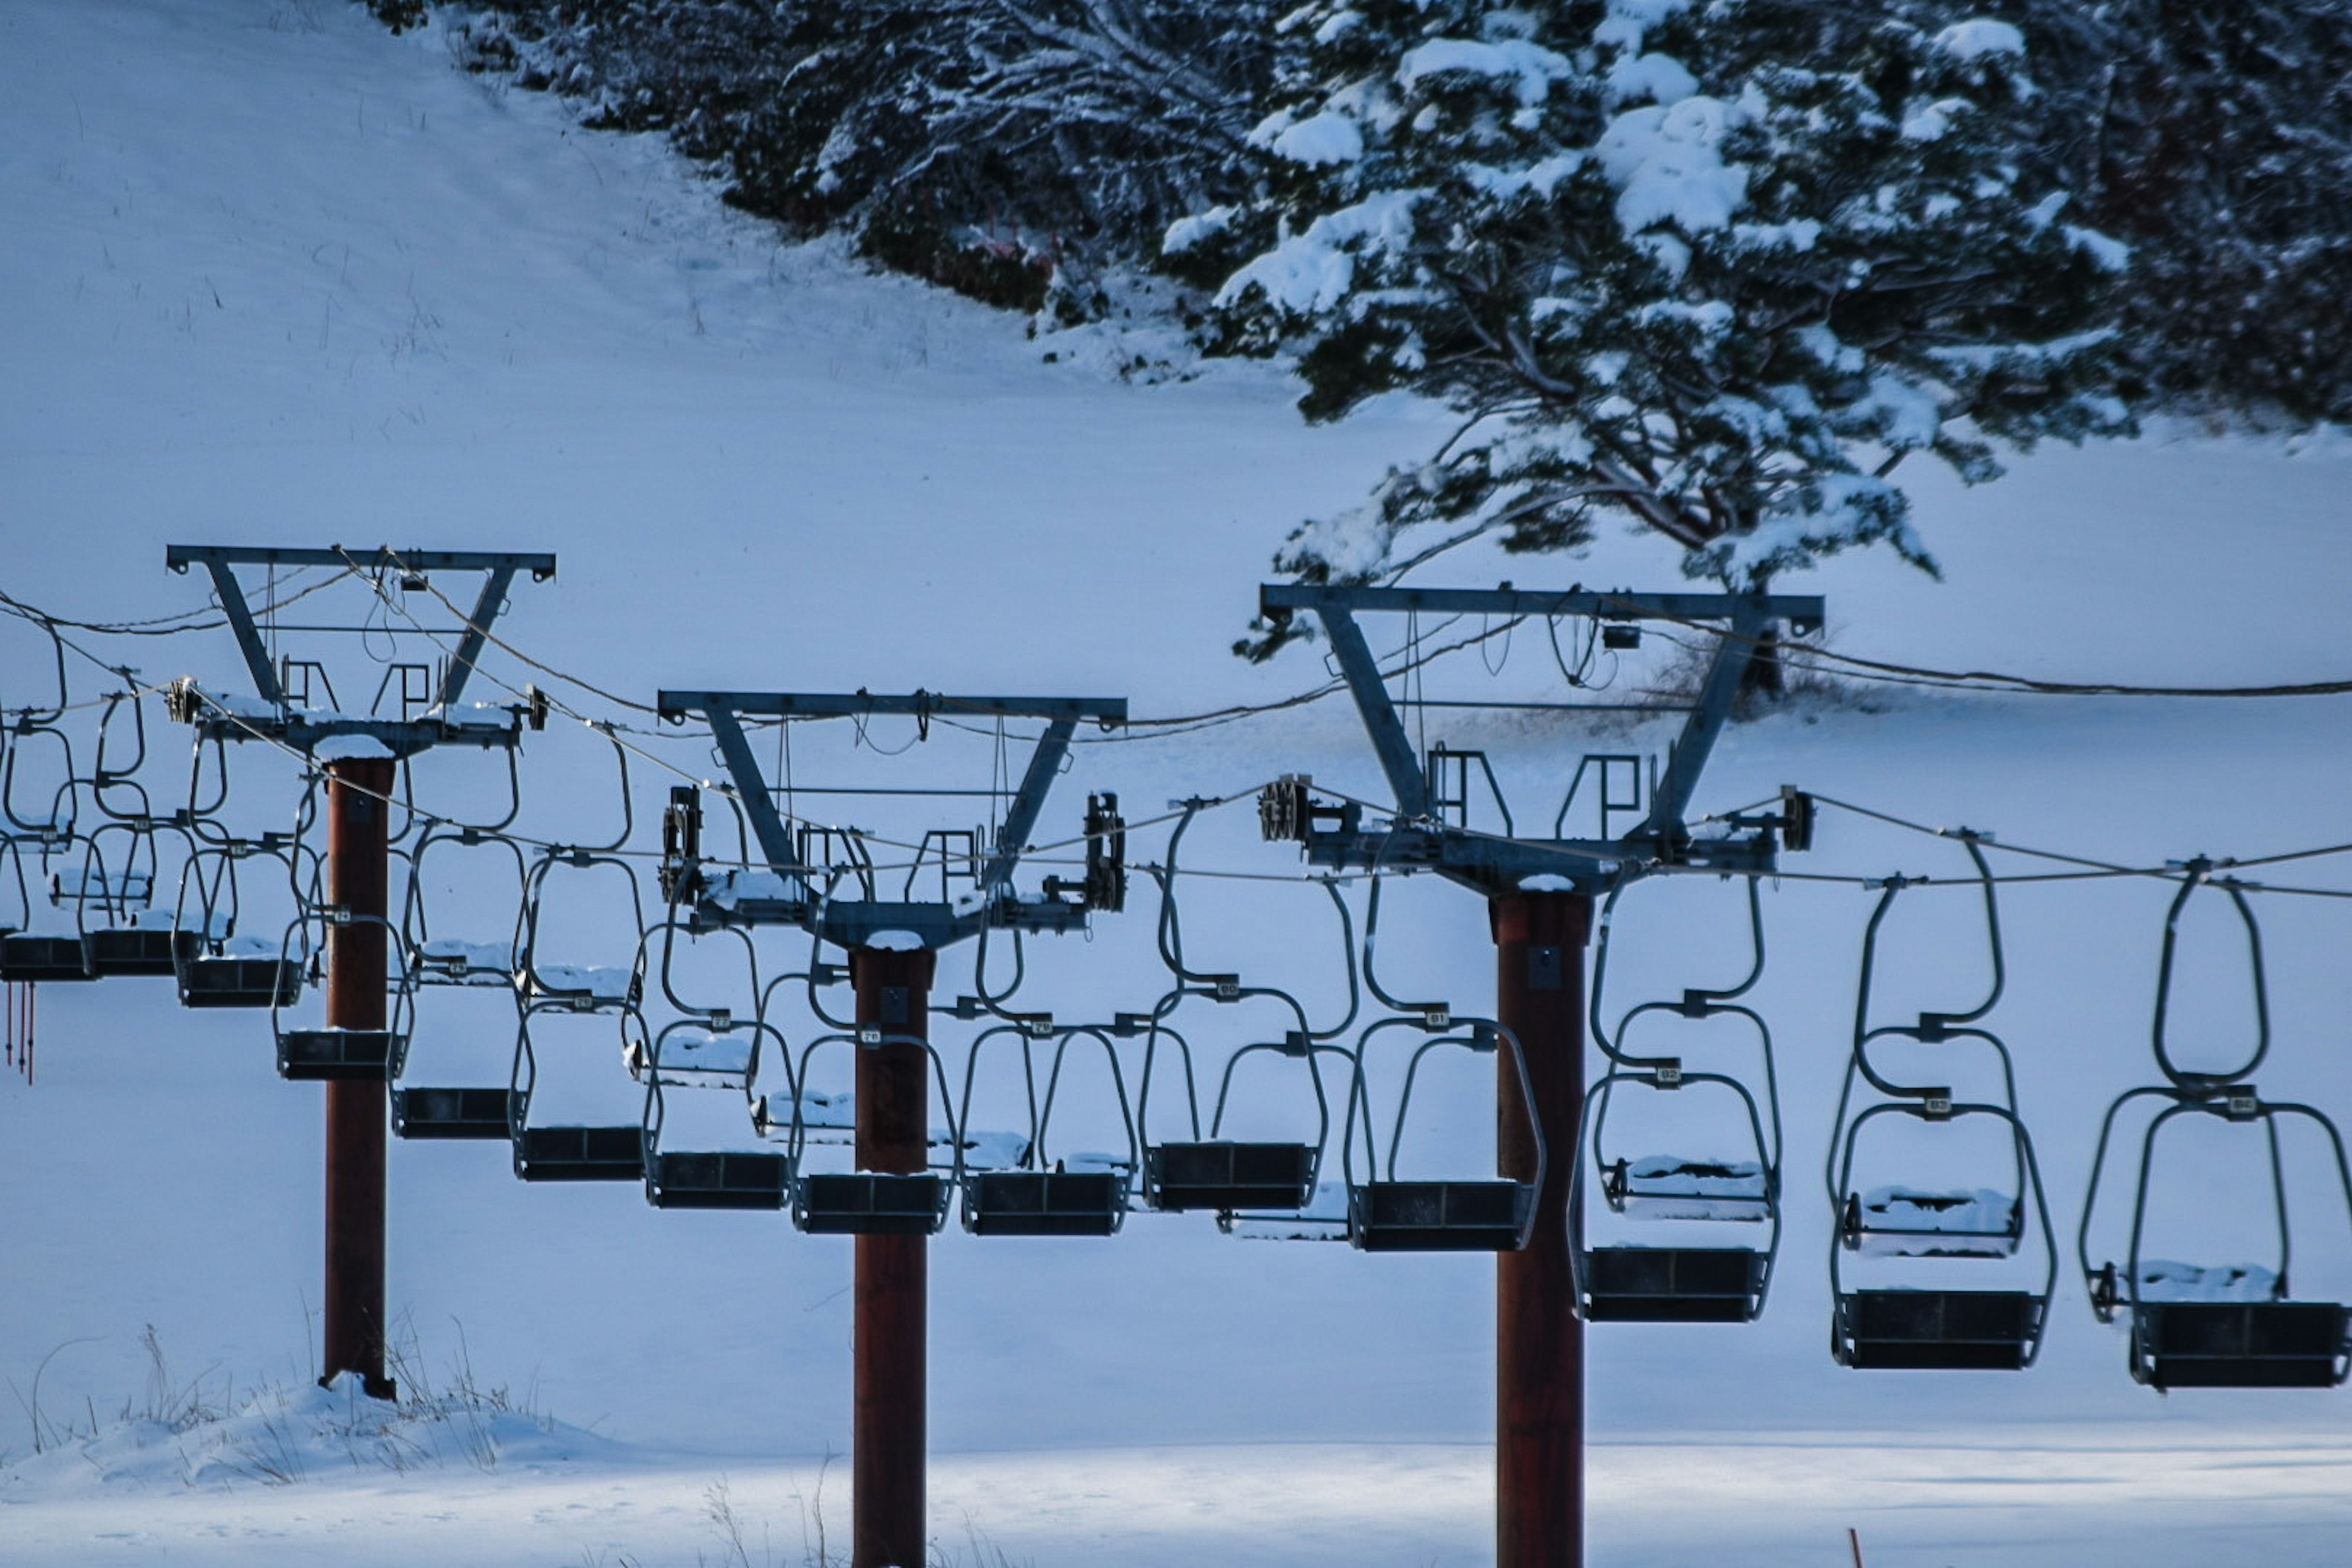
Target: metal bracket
(939, 923)
(1497, 865)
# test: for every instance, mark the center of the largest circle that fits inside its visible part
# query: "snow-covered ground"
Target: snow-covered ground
(272, 275)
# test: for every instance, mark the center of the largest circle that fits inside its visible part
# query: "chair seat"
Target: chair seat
(1949, 1331)
(1673, 1284)
(1224, 1174)
(1438, 1216)
(868, 1203)
(580, 1154)
(31, 958)
(2240, 1345)
(336, 1055)
(230, 981)
(452, 1113)
(719, 1179)
(137, 949)
(1044, 1202)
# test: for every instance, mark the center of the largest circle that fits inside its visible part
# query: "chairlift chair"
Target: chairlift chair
(576, 988)
(1936, 1329)
(30, 956)
(710, 1047)
(1230, 1175)
(330, 1053)
(224, 970)
(564, 1151)
(127, 936)
(1393, 1214)
(1678, 1282)
(2238, 1327)
(709, 1178)
(468, 1112)
(867, 1203)
(1043, 1197)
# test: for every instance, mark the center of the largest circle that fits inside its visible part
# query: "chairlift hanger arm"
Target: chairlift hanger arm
(1021, 816)
(750, 785)
(1389, 740)
(231, 594)
(477, 631)
(1704, 722)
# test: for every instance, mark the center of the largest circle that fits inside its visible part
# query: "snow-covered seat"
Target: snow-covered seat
(1677, 1187)
(37, 956)
(150, 942)
(452, 961)
(688, 1058)
(587, 987)
(96, 885)
(242, 972)
(1323, 1219)
(1913, 1222)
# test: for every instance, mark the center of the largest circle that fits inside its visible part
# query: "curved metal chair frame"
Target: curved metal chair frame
(582, 1152)
(1674, 1284)
(869, 1202)
(536, 988)
(1948, 1329)
(1039, 1196)
(330, 1053)
(208, 976)
(2277, 1342)
(1454, 1215)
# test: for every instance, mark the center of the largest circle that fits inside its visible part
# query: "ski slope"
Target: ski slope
(273, 275)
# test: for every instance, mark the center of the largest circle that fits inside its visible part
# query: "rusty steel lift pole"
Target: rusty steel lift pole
(890, 1333)
(1540, 941)
(357, 873)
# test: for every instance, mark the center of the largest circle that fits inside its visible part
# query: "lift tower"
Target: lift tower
(892, 946)
(1538, 893)
(355, 1053)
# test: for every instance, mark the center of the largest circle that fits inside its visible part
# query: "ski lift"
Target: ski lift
(2236, 1326)
(113, 896)
(710, 1047)
(575, 1151)
(564, 1151)
(866, 1202)
(1043, 1197)
(1678, 1283)
(30, 957)
(579, 988)
(1397, 1215)
(223, 969)
(1221, 1173)
(480, 1112)
(332, 1053)
(1936, 1329)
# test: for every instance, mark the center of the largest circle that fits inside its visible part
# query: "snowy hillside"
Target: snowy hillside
(274, 276)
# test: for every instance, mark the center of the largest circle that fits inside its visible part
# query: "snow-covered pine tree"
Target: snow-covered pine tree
(1666, 261)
